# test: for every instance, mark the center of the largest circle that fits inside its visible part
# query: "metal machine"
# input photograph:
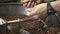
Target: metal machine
(17, 8)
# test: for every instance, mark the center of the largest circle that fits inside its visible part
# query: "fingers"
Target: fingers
(29, 4)
(25, 4)
(32, 14)
(34, 10)
(36, 16)
(29, 9)
(33, 4)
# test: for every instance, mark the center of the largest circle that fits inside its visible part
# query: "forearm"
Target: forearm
(41, 9)
(56, 5)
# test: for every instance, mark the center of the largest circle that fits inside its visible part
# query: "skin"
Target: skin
(58, 0)
(41, 9)
(30, 4)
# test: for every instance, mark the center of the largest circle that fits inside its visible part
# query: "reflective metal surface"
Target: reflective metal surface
(16, 29)
(12, 8)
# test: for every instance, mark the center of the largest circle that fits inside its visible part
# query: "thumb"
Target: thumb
(29, 9)
(35, 16)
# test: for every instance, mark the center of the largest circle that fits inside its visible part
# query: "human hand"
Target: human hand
(39, 10)
(30, 3)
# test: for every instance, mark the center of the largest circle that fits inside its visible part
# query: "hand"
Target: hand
(39, 10)
(30, 3)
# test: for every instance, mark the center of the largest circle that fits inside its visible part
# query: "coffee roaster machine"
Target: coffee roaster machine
(11, 7)
(14, 7)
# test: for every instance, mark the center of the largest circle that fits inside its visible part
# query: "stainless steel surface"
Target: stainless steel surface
(10, 28)
(23, 20)
(12, 8)
(18, 20)
(2, 21)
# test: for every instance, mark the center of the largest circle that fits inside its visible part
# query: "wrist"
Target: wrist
(45, 11)
(43, 14)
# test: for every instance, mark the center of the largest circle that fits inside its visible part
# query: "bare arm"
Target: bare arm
(41, 9)
(56, 5)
